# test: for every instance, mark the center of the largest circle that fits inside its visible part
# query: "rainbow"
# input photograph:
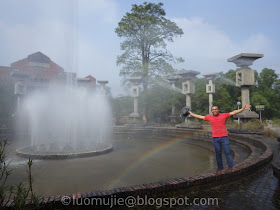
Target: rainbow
(145, 156)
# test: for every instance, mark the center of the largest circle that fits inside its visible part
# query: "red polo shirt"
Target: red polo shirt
(218, 124)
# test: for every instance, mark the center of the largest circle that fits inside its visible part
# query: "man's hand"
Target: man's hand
(246, 106)
(197, 116)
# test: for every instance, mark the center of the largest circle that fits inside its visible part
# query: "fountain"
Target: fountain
(65, 122)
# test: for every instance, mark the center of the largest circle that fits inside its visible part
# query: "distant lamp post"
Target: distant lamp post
(103, 83)
(245, 77)
(188, 88)
(210, 88)
(20, 79)
(173, 114)
(135, 92)
(238, 104)
(260, 108)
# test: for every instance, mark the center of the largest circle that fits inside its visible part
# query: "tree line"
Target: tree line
(160, 97)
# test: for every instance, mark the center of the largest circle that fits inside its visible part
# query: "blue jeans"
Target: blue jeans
(222, 143)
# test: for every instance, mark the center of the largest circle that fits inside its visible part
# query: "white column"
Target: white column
(135, 105)
(210, 98)
(189, 104)
(189, 101)
(245, 95)
(210, 102)
(173, 106)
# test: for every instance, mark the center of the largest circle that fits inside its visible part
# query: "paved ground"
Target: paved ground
(276, 129)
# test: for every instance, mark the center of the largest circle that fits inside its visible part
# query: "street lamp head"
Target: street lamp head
(238, 103)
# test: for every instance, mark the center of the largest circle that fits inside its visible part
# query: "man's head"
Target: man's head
(215, 110)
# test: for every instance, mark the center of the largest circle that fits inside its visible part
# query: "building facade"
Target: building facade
(38, 71)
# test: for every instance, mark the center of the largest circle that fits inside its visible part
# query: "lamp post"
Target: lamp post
(210, 88)
(245, 77)
(135, 94)
(20, 79)
(238, 104)
(188, 88)
(103, 83)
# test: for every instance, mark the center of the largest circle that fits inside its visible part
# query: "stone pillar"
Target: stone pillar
(210, 102)
(173, 114)
(135, 94)
(189, 101)
(245, 77)
(20, 86)
(210, 88)
(135, 105)
(245, 95)
(188, 88)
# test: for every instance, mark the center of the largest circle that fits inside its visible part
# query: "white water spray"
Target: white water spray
(226, 81)
(67, 118)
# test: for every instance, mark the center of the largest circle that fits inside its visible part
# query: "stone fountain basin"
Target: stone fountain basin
(48, 152)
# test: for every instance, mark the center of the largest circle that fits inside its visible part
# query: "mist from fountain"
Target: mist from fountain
(66, 120)
(226, 81)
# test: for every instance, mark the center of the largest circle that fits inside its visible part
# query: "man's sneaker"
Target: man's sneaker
(228, 170)
(218, 172)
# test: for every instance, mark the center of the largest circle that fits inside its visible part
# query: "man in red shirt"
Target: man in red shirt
(219, 134)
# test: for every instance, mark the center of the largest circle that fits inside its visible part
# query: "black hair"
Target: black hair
(213, 106)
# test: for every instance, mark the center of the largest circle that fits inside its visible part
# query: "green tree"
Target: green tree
(223, 99)
(145, 31)
(267, 78)
(267, 92)
(232, 89)
(227, 81)
(259, 99)
(161, 98)
(200, 100)
(121, 106)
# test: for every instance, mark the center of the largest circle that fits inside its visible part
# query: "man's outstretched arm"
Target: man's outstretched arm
(246, 106)
(197, 116)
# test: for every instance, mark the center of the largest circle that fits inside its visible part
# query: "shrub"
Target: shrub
(17, 192)
(254, 125)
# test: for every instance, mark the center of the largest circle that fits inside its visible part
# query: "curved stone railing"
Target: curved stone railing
(276, 169)
(239, 131)
(186, 184)
(276, 165)
(251, 150)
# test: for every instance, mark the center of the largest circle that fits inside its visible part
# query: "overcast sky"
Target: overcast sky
(79, 34)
